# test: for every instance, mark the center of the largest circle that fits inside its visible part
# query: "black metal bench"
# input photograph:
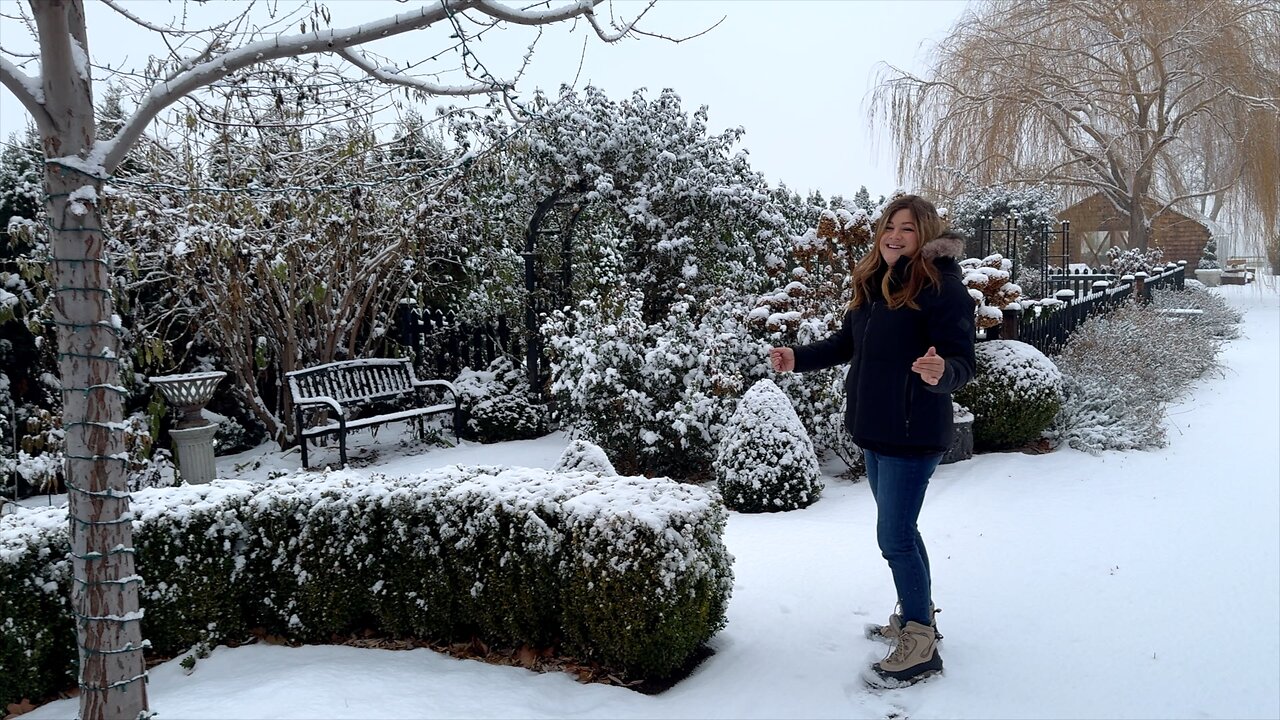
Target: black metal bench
(338, 386)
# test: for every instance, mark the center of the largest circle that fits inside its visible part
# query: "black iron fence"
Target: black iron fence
(1049, 330)
(443, 346)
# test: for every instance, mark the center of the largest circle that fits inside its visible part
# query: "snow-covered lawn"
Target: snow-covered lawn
(1126, 585)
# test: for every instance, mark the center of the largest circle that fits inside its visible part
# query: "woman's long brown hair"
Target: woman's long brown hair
(920, 271)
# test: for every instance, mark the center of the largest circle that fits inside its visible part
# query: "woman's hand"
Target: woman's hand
(782, 359)
(930, 367)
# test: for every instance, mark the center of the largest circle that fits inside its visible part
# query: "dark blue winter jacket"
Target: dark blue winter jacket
(890, 409)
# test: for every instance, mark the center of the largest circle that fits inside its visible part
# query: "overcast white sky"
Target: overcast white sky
(794, 73)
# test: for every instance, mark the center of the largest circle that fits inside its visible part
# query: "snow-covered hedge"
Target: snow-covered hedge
(37, 636)
(765, 461)
(1014, 396)
(630, 572)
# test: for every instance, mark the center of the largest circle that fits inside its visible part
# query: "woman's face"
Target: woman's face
(900, 236)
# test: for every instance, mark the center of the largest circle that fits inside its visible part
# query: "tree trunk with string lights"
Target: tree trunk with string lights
(60, 99)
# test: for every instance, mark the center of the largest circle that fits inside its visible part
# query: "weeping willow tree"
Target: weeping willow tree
(1151, 103)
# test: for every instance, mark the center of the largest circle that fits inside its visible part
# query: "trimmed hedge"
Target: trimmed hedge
(629, 572)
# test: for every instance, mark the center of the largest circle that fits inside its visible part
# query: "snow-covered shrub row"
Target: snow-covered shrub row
(494, 404)
(1217, 317)
(1095, 417)
(765, 461)
(1123, 368)
(1014, 396)
(190, 548)
(626, 571)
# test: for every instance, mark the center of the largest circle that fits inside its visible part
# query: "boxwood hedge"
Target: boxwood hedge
(627, 572)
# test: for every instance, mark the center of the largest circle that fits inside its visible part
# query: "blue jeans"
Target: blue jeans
(898, 485)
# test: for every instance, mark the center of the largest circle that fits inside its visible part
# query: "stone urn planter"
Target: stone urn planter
(1211, 278)
(962, 439)
(193, 436)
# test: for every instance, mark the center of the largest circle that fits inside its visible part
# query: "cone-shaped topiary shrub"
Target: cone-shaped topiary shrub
(765, 461)
(585, 455)
(1014, 396)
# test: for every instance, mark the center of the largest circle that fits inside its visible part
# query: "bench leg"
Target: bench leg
(302, 439)
(342, 447)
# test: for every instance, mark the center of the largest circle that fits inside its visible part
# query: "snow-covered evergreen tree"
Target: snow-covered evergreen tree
(765, 461)
(1209, 258)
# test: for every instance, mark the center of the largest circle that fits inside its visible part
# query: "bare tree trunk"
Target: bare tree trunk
(1138, 225)
(104, 595)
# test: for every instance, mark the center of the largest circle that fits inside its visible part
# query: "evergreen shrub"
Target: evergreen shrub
(631, 573)
(494, 404)
(766, 461)
(1014, 395)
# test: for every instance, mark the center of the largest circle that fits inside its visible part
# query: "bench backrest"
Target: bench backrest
(351, 381)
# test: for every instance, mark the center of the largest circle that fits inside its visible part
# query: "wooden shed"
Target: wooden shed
(1096, 226)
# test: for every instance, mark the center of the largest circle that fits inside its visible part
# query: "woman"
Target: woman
(908, 338)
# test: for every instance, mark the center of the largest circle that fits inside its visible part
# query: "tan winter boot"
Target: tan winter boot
(914, 657)
(886, 633)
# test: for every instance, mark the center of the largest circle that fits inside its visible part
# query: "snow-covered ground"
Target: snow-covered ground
(1126, 585)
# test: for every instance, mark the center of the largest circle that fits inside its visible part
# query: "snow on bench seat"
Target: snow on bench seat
(340, 386)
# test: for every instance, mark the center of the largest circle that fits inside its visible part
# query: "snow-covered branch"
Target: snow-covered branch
(391, 75)
(27, 89)
(111, 152)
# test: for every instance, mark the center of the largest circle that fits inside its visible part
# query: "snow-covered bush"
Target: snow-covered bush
(628, 572)
(1137, 350)
(1014, 396)
(1132, 261)
(654, 395)
(1121, 369)
(765, 461)
(1095, 417)
(494, 404)
(37, 635)
(988, 281)
(586, 456)
(507, 417)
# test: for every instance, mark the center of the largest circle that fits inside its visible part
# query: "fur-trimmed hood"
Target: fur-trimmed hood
(948, 244)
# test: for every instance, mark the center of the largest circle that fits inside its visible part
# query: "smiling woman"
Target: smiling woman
(908, 339)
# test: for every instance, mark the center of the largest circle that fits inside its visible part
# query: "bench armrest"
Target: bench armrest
(418, 384)
(321, 400)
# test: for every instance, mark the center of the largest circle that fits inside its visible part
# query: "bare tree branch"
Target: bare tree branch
(111, 152)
